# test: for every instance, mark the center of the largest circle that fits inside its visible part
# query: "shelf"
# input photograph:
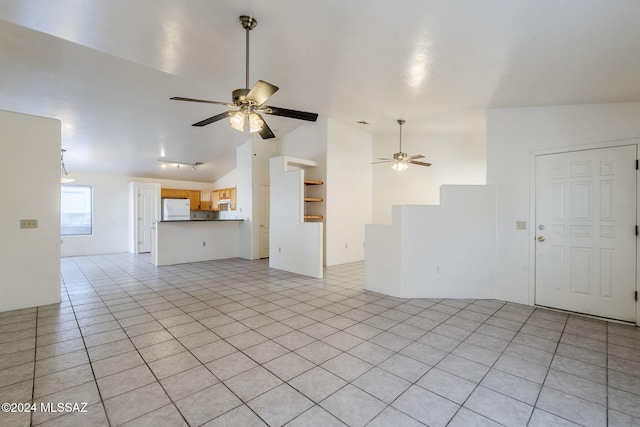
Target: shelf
(312, 182)
(313, 199)
(313, 217)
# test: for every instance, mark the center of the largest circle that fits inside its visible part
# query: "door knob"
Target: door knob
(540, 238)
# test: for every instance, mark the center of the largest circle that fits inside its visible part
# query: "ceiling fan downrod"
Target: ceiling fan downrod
(248, 23)
(400, 122)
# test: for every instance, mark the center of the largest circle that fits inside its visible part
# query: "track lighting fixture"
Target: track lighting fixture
(194, 166)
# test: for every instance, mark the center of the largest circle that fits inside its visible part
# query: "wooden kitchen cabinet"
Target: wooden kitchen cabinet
(194, 199)
(233, 196)
(174, 193)
(180, 194)
(205, 200)
(215, 199)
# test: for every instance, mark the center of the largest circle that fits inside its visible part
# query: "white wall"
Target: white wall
(263, 151)
(445, 251)
(252, 171)
(294, 245)
(180, 242)
(348, 192)
(111, 212)
(458, 159)
(244, 202)
(512, 133)
(30, 189)
(309, 141)
(228, 181)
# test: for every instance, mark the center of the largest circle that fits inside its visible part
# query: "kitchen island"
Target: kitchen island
(178, 242)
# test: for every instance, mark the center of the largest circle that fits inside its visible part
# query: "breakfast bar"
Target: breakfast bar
(178, 242)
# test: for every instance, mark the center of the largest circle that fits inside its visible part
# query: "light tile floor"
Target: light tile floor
(234, 343)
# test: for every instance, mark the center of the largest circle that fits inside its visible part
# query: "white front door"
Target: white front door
(145, 218)
(586, 231)
(265, 212)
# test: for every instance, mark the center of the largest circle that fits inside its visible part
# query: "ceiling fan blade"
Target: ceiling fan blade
(265, 132)
(293, 114)
(414, 162)
(213, 119)
(416, 156)
(179, 98)
(384, 158)
(384, 161)
(261, 91)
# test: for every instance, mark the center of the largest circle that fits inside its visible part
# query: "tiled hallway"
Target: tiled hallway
(233, 343)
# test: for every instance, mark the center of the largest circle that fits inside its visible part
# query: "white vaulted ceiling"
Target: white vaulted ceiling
(107, 68)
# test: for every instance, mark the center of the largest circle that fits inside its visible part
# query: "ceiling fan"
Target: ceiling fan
(401, 161)
(250, 102)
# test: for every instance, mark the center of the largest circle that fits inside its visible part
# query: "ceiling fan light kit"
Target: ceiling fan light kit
(401, 161)
(250, 102)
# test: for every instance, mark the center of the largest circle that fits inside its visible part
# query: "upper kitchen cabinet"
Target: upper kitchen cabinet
(205, 200)
(174, 193)
(215, 200)
(225, 193)
(180, 194)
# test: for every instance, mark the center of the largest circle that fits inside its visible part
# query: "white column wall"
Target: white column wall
(30, 189)
(294, 245)
(348, 192)
(244, 202)
(252, 171)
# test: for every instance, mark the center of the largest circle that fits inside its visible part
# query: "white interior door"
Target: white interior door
(586, 231)
(265, 206)
(146, 205)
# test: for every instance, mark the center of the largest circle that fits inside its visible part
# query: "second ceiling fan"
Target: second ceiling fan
(401, 161)
(250, 102)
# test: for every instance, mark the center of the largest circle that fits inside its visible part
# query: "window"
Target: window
(76, 217)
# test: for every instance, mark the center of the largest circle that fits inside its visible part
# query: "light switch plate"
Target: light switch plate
(521, 225)
(28, 223)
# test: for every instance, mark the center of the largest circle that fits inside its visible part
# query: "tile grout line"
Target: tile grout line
(35, 360)
(95, 380)
(535, 405)
(461, 405)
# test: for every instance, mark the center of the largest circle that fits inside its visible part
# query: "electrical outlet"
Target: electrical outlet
(345, 246)
(28, 223)
(204, 243)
